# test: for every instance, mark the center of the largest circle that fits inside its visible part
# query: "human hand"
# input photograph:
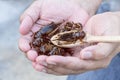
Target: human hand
(43, 12)
(90, 58)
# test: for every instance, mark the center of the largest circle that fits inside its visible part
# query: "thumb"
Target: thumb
(99, 51)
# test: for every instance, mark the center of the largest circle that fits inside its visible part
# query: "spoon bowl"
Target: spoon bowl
(87, 39)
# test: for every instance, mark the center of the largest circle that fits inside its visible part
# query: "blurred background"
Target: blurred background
(13, 64)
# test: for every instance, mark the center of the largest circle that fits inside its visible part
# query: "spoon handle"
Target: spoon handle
(103, 39)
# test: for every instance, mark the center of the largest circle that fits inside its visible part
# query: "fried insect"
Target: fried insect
(41, 39)
(42, 44)
(73, 36)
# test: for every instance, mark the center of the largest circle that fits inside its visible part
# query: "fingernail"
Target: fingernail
(43, 70)
(87, 55)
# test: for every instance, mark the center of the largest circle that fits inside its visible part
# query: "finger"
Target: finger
(66, 62)
(51, 69)
(24, 44)
(40, 68)
(71, 65)
(29, 17)
(61, 70)
(99, 51)
(26, 25)
(33, 10)
(41, 60)
(32, 55)
(41, 65)
(66, 65)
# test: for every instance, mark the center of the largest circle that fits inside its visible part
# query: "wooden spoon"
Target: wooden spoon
(87, 39)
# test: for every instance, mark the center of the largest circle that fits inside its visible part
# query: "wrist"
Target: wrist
(90, 6)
